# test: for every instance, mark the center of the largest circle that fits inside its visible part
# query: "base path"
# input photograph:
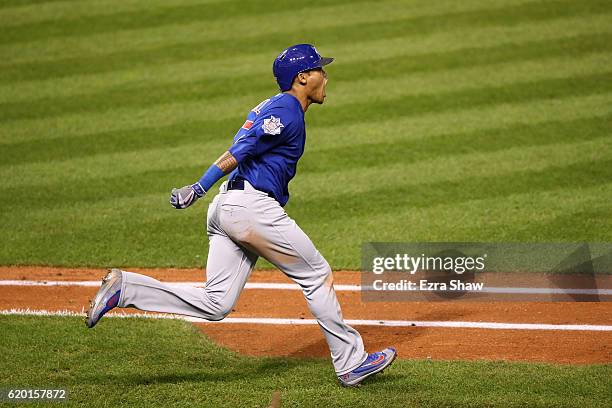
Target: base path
(439, 343)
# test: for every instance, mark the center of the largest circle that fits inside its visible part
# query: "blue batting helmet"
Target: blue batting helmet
(295, 59)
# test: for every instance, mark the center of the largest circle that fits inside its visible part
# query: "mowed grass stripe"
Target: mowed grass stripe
(452, 202)
(348, 159)
(448, 167)
(465, 120)
(111, 155)
(40, 60)
(389, 93)
(545, 228)
(563, 215)
(587, 173)
(147, 17)
(351, 157)
(8, 4)
(162, 40)
(37, 16)
(407, 105)
(229, 69)
(153, 93)
(245, 27)
(154, 230)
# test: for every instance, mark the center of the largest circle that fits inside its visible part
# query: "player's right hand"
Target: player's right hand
(183, 197)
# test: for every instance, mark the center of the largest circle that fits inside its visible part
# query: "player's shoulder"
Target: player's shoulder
(281, 102)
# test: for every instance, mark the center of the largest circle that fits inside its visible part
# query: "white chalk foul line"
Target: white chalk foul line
(312, 322)
(340, 288)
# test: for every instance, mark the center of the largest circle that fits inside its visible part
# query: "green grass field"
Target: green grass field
(121, 363)
(445, 121)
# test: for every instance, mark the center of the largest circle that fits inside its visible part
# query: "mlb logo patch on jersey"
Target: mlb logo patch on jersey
(247, 125)
(272, 126)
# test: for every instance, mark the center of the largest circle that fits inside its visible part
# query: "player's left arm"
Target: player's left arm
(259, 134)
(226, 162)
(181, 198)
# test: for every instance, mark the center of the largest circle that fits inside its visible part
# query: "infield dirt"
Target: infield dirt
(556, 346)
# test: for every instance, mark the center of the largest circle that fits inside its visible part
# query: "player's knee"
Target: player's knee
(325, 273)
(220, 311)
(322, 278)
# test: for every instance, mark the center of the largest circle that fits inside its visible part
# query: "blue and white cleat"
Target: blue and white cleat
(375, 363)
(106, 299)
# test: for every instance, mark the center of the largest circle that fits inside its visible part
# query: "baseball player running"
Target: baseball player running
(246, 220)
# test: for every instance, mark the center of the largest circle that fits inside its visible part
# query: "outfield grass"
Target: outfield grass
(141, 362)
(445, 121)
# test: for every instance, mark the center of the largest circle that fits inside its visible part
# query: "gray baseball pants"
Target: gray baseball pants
(243, 225)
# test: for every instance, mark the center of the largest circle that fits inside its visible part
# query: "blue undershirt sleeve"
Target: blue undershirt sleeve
(210, 177)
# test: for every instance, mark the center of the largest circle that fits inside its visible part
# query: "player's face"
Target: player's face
(317, 80)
